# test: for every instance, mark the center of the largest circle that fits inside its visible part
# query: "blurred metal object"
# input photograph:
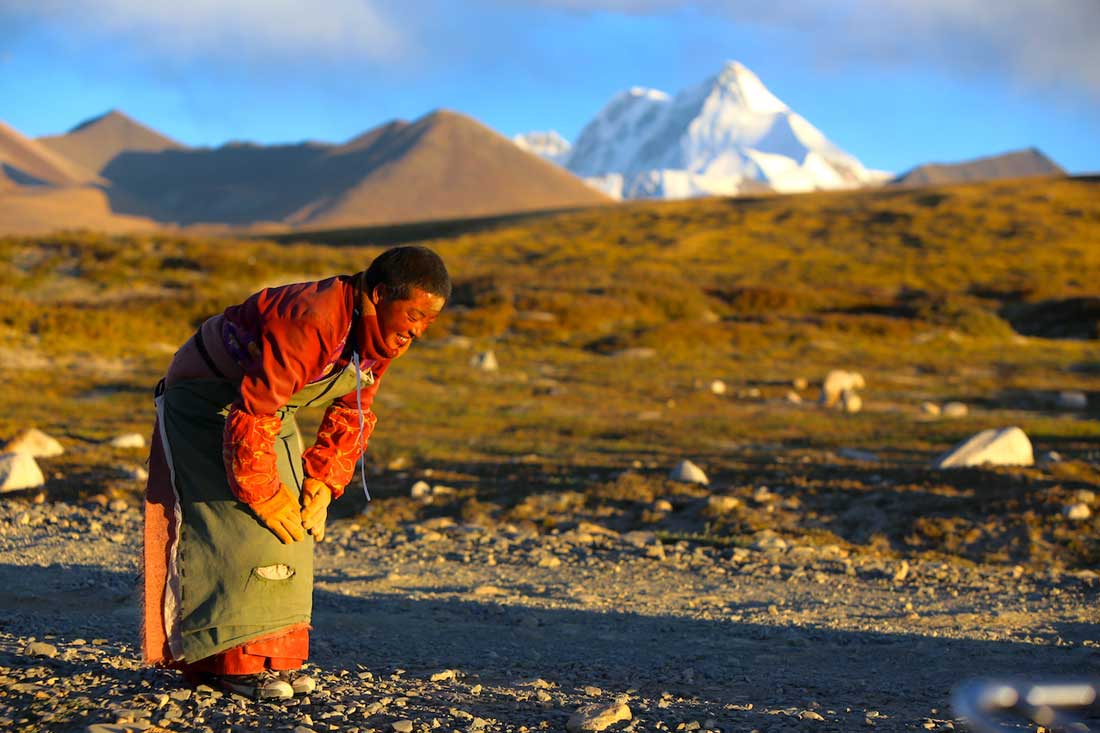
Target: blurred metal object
(991, 706)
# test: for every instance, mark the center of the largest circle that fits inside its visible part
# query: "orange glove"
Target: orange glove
(316, 496)
(281, 515)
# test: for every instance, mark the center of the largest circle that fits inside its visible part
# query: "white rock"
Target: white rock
(19, 471)
(955, 409)
(836, 382)
(1072, 400)
(689, 473)
(794, 398)
(420, 490)
(718, 387)
(850, 402)
(1077, 512)
(34, 443)
(1003, 447)
(486, 361)
(930, 408)
(128, 440)
(800, 383)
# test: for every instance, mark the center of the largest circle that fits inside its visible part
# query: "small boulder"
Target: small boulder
(486, 361)
(955, 409)
(997, 447)
(850, 402)
(19, 471)
(718, 387)
(800, 383)
(33, 442)
(128, 440)
(420, 490)
(1072, 400)
(793, 397)
(836, 382)
(598, 716)
(688, 473)
(930, 408)
(1077, 512)
(720, 505)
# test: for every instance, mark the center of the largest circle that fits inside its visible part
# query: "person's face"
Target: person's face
(401, 321)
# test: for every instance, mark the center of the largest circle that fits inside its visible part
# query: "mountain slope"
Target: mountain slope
(96, 142)
(25, 162)
(725, 135)
(1015, 164)
(444, 165)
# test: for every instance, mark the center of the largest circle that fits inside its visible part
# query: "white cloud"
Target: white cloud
(1038, 42)
(227, 29)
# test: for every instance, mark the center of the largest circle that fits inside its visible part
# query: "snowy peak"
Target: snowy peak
(736, 85)
(549, 145)
(725, 135)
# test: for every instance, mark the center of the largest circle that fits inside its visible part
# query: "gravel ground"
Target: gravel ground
(438, 625)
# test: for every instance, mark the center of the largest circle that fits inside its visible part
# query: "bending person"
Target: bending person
(233, 504)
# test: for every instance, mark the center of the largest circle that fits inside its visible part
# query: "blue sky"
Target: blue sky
(894, 82)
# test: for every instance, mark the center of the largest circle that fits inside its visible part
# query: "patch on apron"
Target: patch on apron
(274, 572)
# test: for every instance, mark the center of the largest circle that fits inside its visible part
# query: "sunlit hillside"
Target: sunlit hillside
(610, 326)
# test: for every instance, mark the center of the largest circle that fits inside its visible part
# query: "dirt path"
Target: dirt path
(443, 626)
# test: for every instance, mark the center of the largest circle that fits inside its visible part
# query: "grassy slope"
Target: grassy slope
(904, 286)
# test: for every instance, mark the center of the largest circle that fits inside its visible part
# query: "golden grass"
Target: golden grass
(910, 287)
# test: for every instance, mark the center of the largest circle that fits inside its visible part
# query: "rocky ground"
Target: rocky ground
(442, 625)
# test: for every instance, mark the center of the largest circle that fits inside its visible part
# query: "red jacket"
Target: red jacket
(285, 338)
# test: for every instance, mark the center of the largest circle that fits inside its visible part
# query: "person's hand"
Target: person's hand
(316, 496)
(279, 512)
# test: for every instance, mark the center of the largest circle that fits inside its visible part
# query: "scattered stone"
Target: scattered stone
(955, 410)
(854, 454)
(998, 447)
(838, 381)
(850, 402)
(134, 473)
(420, 490)
(930, 408)
(402, 726)
(718, 387)
(118, 505)
(770, 542)
(720, 505)
(810, 715)
(1050, 457)
(793, 397)
(902, 572)
(128, 440)
(486, 361)
(637, 352)
(598, 716)
(640, 539)
(34, 442)
(687, 472)
(1077, 512)
(19, 471)
(1072, 400)
(800, 383)
(445, 675)
(40, 649)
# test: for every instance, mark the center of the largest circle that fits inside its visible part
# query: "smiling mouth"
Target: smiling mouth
(402, 340)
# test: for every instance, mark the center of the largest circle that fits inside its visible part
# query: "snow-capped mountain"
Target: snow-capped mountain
(725, 136)
(549, 145)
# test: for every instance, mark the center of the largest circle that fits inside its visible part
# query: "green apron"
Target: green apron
(236, 581)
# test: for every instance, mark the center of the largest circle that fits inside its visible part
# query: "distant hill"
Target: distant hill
(96, 142)
(1027, 163)
(444, 165)
(25, 162)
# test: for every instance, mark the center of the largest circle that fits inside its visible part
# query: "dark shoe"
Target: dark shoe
(299, 681)
(262, 686)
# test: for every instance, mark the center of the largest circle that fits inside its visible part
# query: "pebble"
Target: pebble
(402, 726)
(1077, 512)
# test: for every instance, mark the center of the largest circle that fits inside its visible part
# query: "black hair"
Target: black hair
(401, 269)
